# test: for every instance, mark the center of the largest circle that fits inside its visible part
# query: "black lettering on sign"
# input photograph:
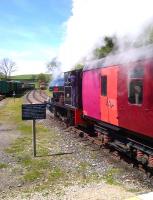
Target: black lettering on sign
(33, 111)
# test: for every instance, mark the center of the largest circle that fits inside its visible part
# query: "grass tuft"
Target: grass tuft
(56, 174)
(109, 177)
(32, 175)
(3, 165)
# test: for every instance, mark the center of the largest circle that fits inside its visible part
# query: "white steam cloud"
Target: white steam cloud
(92, 20)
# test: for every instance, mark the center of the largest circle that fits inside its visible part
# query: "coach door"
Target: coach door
(108, 97)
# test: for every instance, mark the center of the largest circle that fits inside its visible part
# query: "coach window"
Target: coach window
(136, 86)
(104, 85)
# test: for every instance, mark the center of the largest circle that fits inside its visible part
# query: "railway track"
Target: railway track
(43, 94)
(118, 155)
(82, 136)
(35, 96)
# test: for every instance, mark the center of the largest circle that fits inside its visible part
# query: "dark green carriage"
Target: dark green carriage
(4, 87)
(16, 86)
(9, 87)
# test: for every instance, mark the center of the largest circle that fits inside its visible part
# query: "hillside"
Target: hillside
(25, 76)
(33, 77)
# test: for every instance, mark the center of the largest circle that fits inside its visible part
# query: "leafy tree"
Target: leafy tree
(33, 77)
(78, 66)
(109, 46)
(145, 38)
(7, 66)
(1, 76)
(48, 77)
(43, 77)
(53, 64)
(148, 34)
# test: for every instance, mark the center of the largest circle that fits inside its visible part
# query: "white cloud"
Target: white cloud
(94, 19)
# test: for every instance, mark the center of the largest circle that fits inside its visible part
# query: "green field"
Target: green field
(26, 76)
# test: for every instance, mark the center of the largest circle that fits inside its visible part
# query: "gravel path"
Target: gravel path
(8, 134)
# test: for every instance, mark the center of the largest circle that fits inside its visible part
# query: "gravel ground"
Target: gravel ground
(100, 191)
(73, 155)
(99, 160)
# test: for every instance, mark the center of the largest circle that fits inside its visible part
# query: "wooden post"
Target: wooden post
(34, 136)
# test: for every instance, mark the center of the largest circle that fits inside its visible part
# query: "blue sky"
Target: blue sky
(32, 31)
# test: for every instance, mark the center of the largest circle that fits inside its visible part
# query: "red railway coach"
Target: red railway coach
(113, 99)
(117, 95)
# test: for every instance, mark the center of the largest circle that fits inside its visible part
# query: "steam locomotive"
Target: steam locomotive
(113, 97)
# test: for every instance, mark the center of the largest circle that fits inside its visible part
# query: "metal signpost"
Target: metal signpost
(34, 136)
(33, 112)
(14, 95)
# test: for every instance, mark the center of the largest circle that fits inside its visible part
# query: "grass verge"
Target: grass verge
(34, 170)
